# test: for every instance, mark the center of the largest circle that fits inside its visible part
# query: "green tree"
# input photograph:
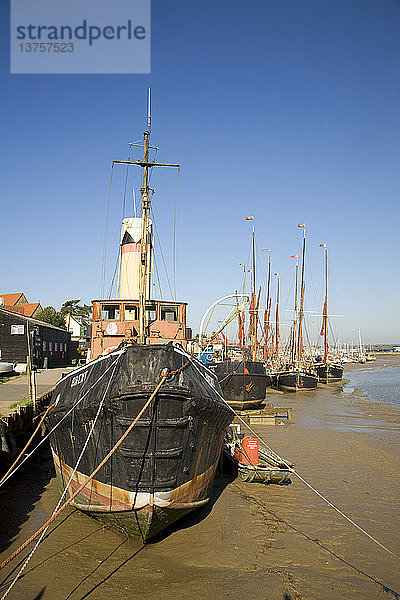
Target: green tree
(72, 307)
(69, 307)
(52, 316)
(84, 311)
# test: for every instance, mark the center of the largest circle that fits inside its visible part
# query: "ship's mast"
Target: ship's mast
(301, 314)
(277, 320)
(293, 349)
(145, 191)
(253, 293)
(326, 309)
(143, 266)
(267, 309)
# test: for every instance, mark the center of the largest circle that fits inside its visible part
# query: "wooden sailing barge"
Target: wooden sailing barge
(244, 382)
(298, 375)
(327, 371)
(165, 464)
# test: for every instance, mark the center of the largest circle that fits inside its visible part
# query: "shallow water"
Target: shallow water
(380, 383)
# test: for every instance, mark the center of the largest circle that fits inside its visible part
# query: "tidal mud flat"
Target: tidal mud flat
(262, 542)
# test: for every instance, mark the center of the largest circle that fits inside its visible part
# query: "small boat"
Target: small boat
(253, 464)
(361, 350)
(6, 368)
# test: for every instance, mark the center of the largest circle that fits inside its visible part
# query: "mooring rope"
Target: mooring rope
(294, 472)
(5, 479)
(80, 488)
(165, 375)
(23, 567)
(344, 515)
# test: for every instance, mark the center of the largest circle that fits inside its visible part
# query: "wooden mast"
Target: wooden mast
(294, 332)
(325, 312)
(300, 332)
(267, 309)
(241, 315)
(143, 267)
(145, 191)
(277, 320)
(253, 295)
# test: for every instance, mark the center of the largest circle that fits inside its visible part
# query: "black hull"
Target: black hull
(329, 372)
(293, 381)
(166, 465)
(243, 383)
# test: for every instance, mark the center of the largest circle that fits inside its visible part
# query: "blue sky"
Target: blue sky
(287, 110)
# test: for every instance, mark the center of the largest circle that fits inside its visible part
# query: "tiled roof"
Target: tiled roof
(11, 299)
(28, 309)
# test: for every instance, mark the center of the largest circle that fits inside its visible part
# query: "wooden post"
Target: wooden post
(30, 372)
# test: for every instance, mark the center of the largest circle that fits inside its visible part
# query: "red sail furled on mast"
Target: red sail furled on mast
(324, 318)
(240, 323)
(251, 311)
(277, 334)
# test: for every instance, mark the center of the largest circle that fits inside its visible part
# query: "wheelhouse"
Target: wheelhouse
(117, 320)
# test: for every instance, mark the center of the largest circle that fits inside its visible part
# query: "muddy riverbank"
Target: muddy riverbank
(253, 541)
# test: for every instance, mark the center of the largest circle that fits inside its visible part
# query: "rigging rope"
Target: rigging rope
(104, 262)
(162, 253)
(165, 375)
(85, 483)
(174, 236)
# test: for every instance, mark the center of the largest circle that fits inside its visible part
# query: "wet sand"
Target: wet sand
(253, 541)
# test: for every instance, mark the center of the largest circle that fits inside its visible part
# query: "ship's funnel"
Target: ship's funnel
(131, 233)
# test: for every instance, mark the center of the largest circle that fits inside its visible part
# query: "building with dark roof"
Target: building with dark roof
(49, 345)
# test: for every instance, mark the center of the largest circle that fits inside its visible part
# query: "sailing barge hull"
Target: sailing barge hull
(294, 381)
(328, 373)
(166, 464)
(243, 383)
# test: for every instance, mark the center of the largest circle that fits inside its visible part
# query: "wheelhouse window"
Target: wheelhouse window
(131, 312)
(169, 313)
(151, 313)
(110, 312)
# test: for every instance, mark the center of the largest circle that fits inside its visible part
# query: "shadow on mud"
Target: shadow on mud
(198, 515)
(20, 494)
